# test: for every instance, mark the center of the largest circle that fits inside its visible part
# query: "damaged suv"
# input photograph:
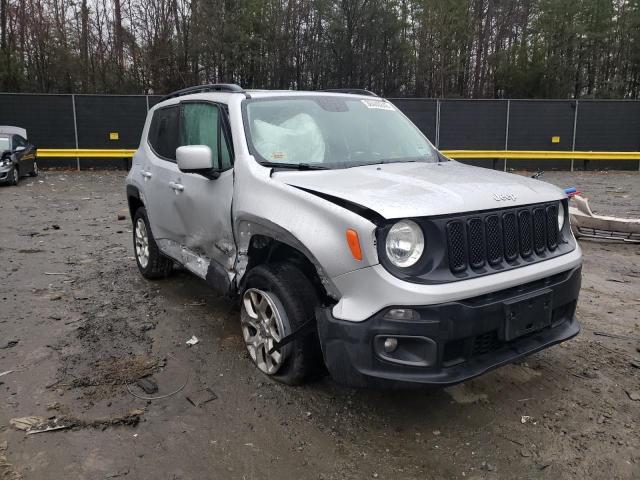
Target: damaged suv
(348, 239)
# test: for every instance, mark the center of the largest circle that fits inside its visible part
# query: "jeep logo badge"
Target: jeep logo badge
(503, 197)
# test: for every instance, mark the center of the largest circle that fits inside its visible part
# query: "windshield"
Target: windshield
(4, 143)
(332, 132)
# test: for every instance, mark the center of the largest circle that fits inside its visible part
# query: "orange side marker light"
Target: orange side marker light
(354, 244)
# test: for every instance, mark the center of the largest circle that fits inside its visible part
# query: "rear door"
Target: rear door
(157, 174)
(203, 204)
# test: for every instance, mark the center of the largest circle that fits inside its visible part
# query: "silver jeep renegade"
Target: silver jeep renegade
(349, 241)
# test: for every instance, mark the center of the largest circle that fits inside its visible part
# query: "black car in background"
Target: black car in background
(17, 155)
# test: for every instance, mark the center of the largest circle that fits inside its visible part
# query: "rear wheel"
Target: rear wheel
(277, 301)
(34, 172)
(151, 263)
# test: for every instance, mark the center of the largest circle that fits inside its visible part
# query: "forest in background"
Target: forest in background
(423, 48)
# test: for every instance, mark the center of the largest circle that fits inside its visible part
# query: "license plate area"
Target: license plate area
(527, 314)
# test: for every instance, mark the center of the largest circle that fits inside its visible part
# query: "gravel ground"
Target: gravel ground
(78, 325)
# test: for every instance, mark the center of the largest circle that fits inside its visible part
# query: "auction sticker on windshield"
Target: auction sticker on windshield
(379, 104)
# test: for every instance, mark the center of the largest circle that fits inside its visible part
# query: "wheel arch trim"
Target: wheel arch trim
(250, 227)
(134, 193)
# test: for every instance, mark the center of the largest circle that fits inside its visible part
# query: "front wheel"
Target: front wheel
(34, 172)
(15, 176)
(277, 301)
(151, 263)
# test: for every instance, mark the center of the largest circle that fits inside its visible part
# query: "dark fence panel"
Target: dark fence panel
(473, 125)
(608, 126)
(421, 111)
(154, 100)
(532, 126)
(48, 120)
(100, 116)
(109, 122)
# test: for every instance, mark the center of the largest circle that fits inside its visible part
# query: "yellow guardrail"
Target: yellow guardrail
(488, 154)
(541, 154)
(84, 152)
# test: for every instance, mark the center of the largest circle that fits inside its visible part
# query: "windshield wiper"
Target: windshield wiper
(379, 162)
(293, 166)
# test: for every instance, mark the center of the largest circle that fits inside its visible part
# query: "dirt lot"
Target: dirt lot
(87, 325)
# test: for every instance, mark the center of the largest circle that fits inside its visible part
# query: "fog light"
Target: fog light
(412, 350)
(390, 344)
(401, 314)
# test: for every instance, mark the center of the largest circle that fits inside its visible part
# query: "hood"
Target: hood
(401, 190)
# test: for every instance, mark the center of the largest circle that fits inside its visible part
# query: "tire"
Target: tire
(15, 176)
(34, 172)
(151, 263)
(290, 302)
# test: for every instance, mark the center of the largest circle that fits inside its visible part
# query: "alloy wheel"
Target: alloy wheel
(262, 327)
(142, 243)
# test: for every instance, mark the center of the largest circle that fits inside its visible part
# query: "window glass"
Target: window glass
(225, 153)
(335, 132)
(4, 144)
(164, 133)
(18, 141)
(201, 126)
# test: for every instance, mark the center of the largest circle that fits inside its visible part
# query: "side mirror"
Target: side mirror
(21, 148)
(196, 159)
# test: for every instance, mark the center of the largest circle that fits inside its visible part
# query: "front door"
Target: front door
(204, 205)
(25, 154)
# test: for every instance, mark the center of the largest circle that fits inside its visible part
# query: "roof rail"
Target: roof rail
(353, 91)
(210, 87)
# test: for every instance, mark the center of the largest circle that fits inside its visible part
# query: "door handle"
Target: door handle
(146, 174)
(176, 186)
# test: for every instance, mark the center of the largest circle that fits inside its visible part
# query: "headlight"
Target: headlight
(560, 216)
(405, 243)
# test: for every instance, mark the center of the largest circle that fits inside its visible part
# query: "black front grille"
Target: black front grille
(477, 253)
(494, 239)
(512, 235)
(510, 229)
(457, 247)
(539, 230)
(526, 233)
(552, 227)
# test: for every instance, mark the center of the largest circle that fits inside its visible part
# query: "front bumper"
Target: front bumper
(5, 173)
(450, 342)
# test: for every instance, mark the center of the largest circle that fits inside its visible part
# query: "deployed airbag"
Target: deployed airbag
(296, 140)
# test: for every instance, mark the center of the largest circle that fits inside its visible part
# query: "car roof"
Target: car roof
(233, 89)
(303, 93)
(227, 96)
(9, 130)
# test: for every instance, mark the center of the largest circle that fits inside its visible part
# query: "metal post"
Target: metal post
(147, 97)
(575, 124)
(506, 133)
(438, 123)
(75, 127)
